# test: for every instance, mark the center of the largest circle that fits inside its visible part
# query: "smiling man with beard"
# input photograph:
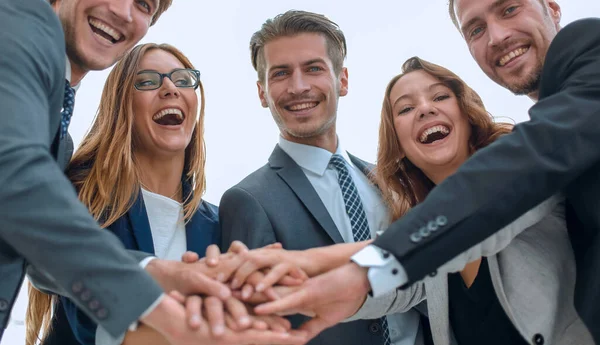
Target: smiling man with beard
(312, 192)
(44, 229)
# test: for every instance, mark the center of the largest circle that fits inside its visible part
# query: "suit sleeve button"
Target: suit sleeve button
(102, 314)
(441, 220)
(415, 237)
(3, 305)
(538, 339)
(77, 287)
(94, 304)
(86, 295)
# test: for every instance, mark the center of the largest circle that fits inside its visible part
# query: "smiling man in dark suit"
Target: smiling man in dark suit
(311, 193)
(521, 46)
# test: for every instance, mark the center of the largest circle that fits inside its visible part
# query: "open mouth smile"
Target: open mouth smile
(433, 134)
(105, 32)
(169, 117)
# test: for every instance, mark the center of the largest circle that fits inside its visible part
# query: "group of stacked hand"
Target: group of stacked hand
(240, 297)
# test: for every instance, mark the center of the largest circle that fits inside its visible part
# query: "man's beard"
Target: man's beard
(530, 85)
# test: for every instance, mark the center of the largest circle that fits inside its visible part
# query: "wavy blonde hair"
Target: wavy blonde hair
(403, 185)
(104, 171)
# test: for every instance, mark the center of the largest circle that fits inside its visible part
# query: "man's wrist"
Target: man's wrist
(385, 272)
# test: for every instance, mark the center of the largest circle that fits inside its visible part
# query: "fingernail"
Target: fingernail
(225, 293)
(244, 321)
(260, 287)
(218, 329)
(220, 277)
(245, 294)
(213, 261)
(195, 319)
(234, 283)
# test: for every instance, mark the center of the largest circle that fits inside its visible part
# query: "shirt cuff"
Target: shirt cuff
(134, 325)
(385, 272)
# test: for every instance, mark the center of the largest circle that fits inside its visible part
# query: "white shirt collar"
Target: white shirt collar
(68, 74)
(312, 158)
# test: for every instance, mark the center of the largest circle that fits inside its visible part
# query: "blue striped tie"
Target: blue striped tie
(67, 110)
(357, 215)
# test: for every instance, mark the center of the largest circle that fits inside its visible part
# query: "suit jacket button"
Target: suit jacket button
(374, 327)
(538, 339)
(424, 232)
(415, 237)
(3, 305)
(102, 314)
(86, 295)
(433, 274)
(441, 220)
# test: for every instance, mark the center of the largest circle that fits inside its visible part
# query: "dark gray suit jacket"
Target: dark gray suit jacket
(557, 150)
(277, 203)
(43, 226)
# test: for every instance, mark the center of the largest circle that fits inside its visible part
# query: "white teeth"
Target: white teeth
(513, 54)
(164, 112)
(105, 28)
(303, 106)
(439, 128)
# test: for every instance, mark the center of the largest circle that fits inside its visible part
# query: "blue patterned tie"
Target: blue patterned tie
(67, 111)
(357, 215)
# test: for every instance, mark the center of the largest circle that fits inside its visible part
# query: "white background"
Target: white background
(240, 134)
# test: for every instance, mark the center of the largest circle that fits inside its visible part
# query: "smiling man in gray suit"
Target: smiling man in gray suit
(311, 193)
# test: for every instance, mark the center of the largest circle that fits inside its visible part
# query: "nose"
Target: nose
(121, 9)
(168, 89)
(497, 33)
(297, 84)
(427, 109)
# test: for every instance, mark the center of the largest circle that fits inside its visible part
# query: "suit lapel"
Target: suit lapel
(293, 176)
(141, 226)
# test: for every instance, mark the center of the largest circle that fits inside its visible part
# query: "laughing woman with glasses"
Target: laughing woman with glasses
(140, 171)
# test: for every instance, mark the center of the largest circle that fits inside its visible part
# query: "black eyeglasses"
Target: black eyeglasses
(184, 78)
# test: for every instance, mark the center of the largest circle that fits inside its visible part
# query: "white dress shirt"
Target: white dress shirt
(314, 162)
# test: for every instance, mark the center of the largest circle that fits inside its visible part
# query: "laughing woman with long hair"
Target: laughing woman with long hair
(140, 171)
(515, 288)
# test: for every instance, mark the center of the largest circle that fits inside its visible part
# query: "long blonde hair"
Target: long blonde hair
(103, 169)
(403, 185)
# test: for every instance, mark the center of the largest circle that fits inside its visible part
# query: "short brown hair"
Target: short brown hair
(163, 5)
(296, 22)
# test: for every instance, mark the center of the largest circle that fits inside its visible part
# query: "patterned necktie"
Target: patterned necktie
(67, 111)
(357, 215)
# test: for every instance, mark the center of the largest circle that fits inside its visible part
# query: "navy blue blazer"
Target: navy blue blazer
(133, 229)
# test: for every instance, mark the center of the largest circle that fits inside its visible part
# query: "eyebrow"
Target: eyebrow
(306, 63)
(493, 7)
(431, 87)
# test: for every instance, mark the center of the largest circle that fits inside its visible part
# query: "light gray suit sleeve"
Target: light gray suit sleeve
(401, 300)
(242, 218)
(40, 216)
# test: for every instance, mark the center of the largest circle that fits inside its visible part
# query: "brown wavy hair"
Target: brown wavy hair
(103, 169)
(404, 185)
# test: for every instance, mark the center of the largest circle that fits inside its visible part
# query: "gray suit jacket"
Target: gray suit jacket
(277, 203)
(43, 226)
(533, 272)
